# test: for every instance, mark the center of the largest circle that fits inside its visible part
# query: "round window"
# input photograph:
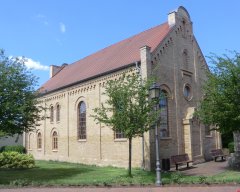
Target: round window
(187, 92)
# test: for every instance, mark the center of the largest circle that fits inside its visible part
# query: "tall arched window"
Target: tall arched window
(39, 140)
(51, 114)
(58, 113)
(184, 28)
(55, 141)
(163, 105)
(82, 121)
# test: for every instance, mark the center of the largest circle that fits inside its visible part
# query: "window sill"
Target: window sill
(208, 136)
(165, 138)
(121, 140)
(39, 149)
(82, 140)
(55, 150)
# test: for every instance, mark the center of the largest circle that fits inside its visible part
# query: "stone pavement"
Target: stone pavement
(205, 169)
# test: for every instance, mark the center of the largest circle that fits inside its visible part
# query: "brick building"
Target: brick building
(169, 51)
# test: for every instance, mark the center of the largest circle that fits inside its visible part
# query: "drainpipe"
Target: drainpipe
(68, 153)
(140, 75)
(44, 130)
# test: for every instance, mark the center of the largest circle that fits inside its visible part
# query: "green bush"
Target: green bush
(231, 147)
(17, 148)
(14, 159)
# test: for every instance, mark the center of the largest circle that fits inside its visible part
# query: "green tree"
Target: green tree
(127, 108)
(18, 104)
(221, 103)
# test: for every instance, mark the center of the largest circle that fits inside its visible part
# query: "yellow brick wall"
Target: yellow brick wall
(166, 63)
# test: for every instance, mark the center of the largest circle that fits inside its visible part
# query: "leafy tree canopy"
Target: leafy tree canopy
(127, 108)
(221, 103)
(18, 104)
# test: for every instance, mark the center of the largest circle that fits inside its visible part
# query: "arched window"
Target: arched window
(163, 105)
(82, 121)
(55, 141)
(207, 130)
(51, 114)
(39, 140)
(58, 113)
(184, 28)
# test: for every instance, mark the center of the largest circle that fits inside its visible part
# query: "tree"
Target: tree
(127, 108)
(18, 104)
(221, 103)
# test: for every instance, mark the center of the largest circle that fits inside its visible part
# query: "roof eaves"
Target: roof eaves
(87, 79)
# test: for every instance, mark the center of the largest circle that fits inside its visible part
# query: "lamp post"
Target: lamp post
(154, 95)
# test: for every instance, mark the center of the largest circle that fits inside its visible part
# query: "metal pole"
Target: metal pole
(158, 169)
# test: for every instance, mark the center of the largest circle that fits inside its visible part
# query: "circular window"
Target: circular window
(187, 92)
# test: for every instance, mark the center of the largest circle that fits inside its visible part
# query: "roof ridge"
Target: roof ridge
(109, 46)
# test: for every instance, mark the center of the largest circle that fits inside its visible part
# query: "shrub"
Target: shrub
(14, 159)
(231, 147)
(2, 149)
(17, 148)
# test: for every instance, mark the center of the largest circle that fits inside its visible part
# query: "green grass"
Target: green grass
(50, 173)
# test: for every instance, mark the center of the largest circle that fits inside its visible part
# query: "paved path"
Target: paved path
(132, 189)
(206, 169)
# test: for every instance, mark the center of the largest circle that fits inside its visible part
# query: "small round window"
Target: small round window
(187, 92)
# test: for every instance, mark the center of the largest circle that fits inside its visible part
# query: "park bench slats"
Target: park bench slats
(180, 159)
(218, 153)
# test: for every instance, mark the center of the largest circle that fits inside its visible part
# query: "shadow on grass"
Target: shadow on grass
(41, 175)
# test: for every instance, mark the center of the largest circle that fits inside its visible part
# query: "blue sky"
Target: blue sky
(53, 32)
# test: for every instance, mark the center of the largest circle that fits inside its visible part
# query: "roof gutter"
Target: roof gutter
(87, 79)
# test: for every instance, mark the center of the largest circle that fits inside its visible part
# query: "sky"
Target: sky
(53, 32)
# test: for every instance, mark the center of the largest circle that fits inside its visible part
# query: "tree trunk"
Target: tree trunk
(130, 158)
(236, 138)
(234, 161)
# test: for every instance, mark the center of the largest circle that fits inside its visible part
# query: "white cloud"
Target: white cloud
(31, 64)
(62, 27)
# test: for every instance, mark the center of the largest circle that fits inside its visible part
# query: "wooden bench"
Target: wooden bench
(180, 159)
(218, 153)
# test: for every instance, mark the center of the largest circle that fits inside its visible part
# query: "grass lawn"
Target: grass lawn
(70, 174)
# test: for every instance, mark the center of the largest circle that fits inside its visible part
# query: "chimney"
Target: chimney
(172, 17)
(54, 69)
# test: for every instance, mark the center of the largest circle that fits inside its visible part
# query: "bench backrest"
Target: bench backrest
(179, 158)
(216, 152)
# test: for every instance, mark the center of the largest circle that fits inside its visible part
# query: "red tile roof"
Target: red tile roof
(111, 58)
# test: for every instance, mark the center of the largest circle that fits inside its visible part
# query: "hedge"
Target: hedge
(17, 148)
(12, 159)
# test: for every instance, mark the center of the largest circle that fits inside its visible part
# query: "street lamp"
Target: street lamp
(154, 95)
